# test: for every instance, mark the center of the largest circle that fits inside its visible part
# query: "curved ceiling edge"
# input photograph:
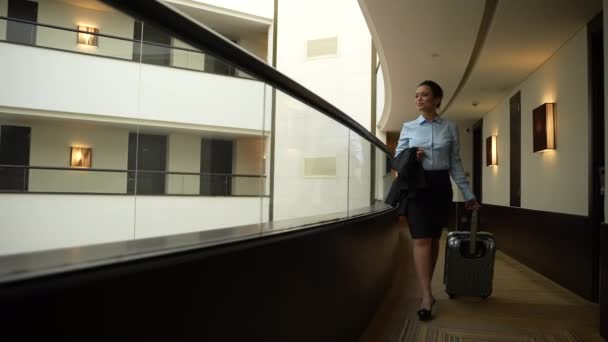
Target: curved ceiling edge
(381, 123)
(482, 34)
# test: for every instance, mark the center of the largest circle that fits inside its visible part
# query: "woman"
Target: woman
(438, 151)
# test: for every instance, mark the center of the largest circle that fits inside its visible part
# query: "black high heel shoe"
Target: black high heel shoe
(426, 314)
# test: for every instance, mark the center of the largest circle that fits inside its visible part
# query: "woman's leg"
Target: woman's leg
(423, 259)
(435, 255)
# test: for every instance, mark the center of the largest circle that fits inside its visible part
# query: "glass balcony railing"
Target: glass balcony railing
(76, 180)
(161, 50)
(197, 167)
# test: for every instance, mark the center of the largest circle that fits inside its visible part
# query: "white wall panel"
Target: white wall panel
(42, 79)
(555, 181)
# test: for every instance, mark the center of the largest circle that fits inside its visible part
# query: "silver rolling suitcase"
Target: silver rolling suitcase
(469, 267)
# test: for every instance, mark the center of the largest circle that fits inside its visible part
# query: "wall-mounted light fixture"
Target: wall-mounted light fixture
(81, 157)
(543, 119)
(89, 39)
(491, 153)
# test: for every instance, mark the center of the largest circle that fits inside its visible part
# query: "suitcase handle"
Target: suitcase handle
(474, 229)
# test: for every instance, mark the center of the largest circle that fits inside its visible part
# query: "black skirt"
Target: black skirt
(427, 212)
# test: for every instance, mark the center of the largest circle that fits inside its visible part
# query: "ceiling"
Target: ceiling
(437, 40)
(95, 5)
(229, 23)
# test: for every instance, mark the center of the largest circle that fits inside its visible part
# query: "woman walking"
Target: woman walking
(436, 140)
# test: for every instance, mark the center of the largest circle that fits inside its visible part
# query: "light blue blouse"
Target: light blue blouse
(440, 141)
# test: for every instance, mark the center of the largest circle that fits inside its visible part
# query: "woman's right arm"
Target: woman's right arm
(403, 143)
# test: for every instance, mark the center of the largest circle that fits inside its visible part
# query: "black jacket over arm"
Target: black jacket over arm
(411, 177)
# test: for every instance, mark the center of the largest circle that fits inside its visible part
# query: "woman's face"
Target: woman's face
(425, 101)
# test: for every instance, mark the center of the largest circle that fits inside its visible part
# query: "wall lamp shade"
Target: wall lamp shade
(491, 151)
(89, 39)
(543, 119)
(81, 157)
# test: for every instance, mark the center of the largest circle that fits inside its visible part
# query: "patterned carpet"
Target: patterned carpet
(416, 331)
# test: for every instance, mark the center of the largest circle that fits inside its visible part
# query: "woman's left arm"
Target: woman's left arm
(456, 169)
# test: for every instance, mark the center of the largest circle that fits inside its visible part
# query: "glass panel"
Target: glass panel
(144, 144)
(359, 175)
(63, 183)
(122, 41)
(77, 181)
(249, 185)
(183, 184)
(384, 174)
(156, 54)
(311, 163)
(88, 43)
(210, 173)
(186, 57)
(21, 33)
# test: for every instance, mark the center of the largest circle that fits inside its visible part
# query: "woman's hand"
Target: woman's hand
(419, 154)
(472, 204)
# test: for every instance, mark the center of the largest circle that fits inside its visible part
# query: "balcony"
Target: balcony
(122, 79)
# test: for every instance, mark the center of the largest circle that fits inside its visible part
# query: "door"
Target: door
(515, 155)
(22, 33)
(478, 159)
(14, 151)
(147, 155)
(599, 235)
(216, 167)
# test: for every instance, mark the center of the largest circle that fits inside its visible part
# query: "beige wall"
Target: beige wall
(50, 146)
(256, 43)
(183, 155)
(496, 179)
(62, 14)
(3, 12)
(249, 160)
(555, 181)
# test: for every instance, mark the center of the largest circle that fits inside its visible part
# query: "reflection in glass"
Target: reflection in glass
(359, 174)
(311, 162)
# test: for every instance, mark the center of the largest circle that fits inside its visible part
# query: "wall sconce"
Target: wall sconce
(87, 38)
(491, 153)
(81, 157)
(543, 119)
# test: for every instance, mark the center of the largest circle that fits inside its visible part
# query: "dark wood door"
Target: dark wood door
(148, 158)
(604, 282)
(478, 159)
(14, 151)
(18, 32)
(595, 38)
(216, 167)
(515, 135)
